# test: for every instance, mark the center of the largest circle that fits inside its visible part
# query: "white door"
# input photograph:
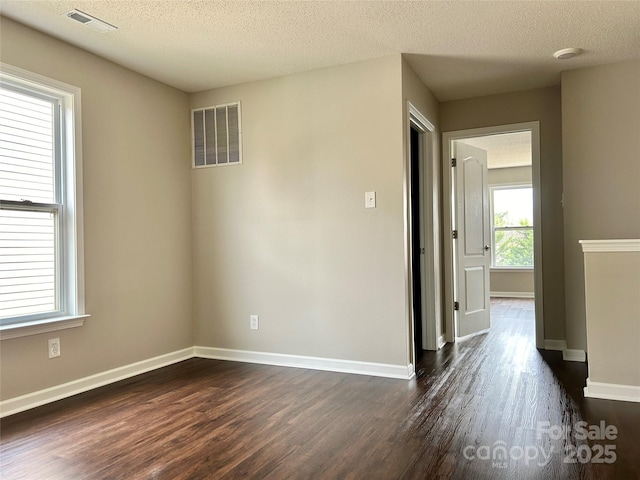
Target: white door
(472, 245)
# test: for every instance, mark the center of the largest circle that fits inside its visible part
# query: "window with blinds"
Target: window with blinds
(217, 136)
(41, 261)
(31, 205)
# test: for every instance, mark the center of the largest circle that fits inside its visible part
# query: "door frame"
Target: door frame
(431, 273)
(447, 178)
(417, 241)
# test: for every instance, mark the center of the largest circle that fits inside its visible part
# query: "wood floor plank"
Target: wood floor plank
(209, 419)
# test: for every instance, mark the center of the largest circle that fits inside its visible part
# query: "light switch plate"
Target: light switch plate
(370, 200)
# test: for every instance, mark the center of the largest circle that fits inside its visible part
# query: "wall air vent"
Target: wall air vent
(90, 21)
(217, 135)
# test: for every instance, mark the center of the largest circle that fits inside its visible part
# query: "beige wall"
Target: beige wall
(541, 105)
(509, 176)
(612, 283)
(136, 218)
(286, 236)
(505, 282)
(600, 128)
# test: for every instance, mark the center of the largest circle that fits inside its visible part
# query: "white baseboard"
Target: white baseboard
(19, 404)
(612, 391)
(474, 334)
(404, 372)
(512, 294)
(568, 354)
(441, 342)
(58, 392)
(572, 355)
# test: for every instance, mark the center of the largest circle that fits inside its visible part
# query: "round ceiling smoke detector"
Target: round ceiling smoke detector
(566, 53)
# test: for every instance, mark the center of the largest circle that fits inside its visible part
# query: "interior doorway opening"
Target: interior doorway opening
(423, 258)
(417, 250)
(506, 242)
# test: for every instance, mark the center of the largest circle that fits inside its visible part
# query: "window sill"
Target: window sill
(41, 326)
(512, 270)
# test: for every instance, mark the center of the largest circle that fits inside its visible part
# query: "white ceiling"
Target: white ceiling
(459, 48)
(506, 149)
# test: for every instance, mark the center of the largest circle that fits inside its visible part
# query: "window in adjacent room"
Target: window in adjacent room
(41, 274)
(512, 226)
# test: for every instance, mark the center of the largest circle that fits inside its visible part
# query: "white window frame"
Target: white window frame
(492, 189)
(71, 311)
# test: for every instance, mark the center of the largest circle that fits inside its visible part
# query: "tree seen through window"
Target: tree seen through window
(512, 227)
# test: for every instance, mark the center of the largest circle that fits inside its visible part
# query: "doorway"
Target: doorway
(422, 235)
(501, 258)
(417, 251)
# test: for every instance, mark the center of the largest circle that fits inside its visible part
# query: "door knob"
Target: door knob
(486, 248)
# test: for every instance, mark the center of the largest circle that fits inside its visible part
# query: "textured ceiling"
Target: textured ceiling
(460, 49)
(505, 150)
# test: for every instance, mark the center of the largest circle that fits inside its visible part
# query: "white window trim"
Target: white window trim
(74, 313)
(506, 186)
(35, 327)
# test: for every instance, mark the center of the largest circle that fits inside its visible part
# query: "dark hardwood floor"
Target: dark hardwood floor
(207, 419)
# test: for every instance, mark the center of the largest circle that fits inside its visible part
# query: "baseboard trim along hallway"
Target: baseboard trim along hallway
(14, 405)
(58, 392)
(568, 354)
(612, 391)
(404, 372)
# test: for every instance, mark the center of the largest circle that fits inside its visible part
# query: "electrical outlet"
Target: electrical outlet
(54, 347)
(253, 322)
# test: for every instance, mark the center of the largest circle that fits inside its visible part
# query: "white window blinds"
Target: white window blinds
(30, 213)
(27, 147)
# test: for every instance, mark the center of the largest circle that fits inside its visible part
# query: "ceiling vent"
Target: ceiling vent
(91, 22)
